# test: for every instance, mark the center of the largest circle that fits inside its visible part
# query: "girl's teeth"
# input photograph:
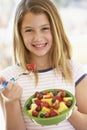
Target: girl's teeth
(40, 45)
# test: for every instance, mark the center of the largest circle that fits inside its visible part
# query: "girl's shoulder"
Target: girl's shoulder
(76, 66)
(11, 68)
(11, 71)
(78, 70)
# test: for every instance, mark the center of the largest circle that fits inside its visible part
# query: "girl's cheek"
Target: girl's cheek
(29, 38)
(26, 39)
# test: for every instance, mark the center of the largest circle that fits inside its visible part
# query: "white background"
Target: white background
(75, 22)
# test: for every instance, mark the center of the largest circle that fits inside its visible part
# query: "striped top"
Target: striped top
(47, 80)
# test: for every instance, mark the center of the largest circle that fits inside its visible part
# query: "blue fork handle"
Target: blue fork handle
(4, 84)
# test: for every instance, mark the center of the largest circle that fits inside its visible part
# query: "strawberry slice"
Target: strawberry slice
(45, 104)
(58, 98)
(38, 102)
(62, 93)
(45, 93)
(31, 67)
(52, 113)
(34, 113)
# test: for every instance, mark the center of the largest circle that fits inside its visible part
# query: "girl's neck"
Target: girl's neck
(42, 63)
(43, 66)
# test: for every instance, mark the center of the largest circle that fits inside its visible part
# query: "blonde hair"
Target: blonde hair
(61, 48)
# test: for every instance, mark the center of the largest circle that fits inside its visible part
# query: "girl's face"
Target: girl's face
(36, 33)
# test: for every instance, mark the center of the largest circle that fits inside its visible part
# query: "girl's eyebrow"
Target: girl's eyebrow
(46, 25)
(26, 27)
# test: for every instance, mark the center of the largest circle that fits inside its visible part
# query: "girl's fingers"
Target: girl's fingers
(4, 83)
(2, 79)
(12, 92)
(9, 86)
(6, 93)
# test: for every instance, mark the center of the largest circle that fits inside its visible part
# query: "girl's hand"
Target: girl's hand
(12, 92)
(74, 110)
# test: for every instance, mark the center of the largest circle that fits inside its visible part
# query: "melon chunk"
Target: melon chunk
(67, 98)
(62, 107)
(49, 100)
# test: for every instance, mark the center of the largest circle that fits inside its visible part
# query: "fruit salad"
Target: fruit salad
(49, 104)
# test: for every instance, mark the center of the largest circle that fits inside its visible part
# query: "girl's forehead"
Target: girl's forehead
(35, 19)
(31, 15)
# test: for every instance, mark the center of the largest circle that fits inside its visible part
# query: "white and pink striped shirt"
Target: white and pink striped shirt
(47, 80)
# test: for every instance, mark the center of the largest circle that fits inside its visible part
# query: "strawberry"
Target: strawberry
(46, 114)
(36, 94)
(40, 96)
(69, 103)
(31, 67)
(55, 105)
(52, 113)
(34, 113)
(38, 108)
(38, 102)
(62, 93)
(58, 98)
(45, 93)
(45, 104)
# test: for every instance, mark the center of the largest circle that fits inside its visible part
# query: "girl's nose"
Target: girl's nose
(37, 36)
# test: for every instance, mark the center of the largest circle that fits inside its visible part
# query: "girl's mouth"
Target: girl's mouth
(40, 45)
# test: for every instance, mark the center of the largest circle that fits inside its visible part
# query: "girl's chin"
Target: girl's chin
(40, 54)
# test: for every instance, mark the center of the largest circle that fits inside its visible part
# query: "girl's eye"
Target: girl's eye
(28, 30)
(46, 28)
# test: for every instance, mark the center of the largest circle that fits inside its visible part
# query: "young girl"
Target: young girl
(39, 39)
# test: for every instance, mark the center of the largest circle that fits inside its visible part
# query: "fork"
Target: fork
(13, 79)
